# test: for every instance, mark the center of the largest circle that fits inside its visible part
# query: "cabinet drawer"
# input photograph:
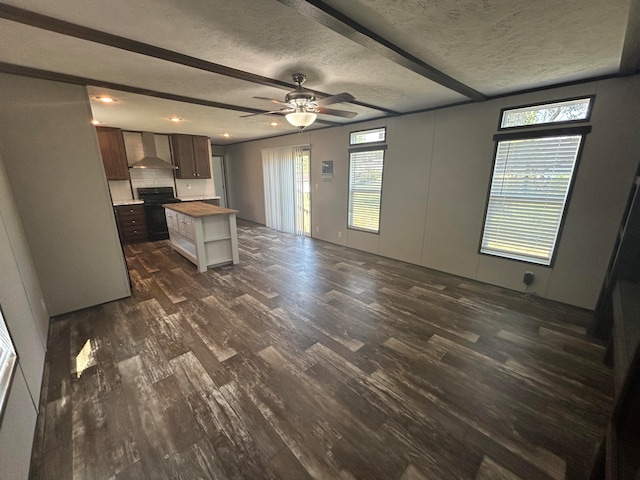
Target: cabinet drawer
(125, 211)
(134, 234)
(134, 228)
(133, 221)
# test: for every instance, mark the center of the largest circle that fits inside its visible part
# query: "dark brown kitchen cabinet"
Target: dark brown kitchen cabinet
(191, 156)
(132, 225)
(113, 153)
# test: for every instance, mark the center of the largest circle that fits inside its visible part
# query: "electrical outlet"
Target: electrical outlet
(317, 228)
(339, 234)
(188, 186)
(528, 278)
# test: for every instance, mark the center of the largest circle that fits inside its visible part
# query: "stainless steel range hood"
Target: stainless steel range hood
(151, 159)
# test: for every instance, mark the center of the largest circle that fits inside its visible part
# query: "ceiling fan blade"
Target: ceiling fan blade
(336, 113)
(265, 113)
(339, 98)
(271, 100)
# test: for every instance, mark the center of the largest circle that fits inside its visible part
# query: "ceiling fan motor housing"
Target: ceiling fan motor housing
(300, 96)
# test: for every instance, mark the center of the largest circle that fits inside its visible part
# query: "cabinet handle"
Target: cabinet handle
(131, 210)
(133, 221)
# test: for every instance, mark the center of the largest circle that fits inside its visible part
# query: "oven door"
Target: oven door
(156, 221)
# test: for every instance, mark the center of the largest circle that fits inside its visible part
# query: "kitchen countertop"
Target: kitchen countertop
(198, 209)
(119, 203)
(195, 199)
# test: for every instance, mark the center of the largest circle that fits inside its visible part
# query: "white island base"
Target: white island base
(202, 233)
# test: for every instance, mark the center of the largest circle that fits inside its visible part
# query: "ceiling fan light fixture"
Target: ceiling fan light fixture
(301, 119)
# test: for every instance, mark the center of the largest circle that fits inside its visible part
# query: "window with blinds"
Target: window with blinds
(365, 188)
(529, 190)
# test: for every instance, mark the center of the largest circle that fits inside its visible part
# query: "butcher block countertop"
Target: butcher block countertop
(198, 209)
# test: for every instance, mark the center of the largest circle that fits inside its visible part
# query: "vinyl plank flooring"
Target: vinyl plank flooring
(148, 423)
(90, 434)
(309, 360)
(123, 449)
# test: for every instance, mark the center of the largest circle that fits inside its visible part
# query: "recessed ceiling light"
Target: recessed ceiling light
(176, 119)
(273, 124)
(96, 122)
(226, 135)
(105, 99)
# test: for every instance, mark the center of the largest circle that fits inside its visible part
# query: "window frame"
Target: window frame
(368, 130)
(9, 356)
(583, 130)
(372, 147)
(587, 119)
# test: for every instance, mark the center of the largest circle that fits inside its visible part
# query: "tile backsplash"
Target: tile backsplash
(194, 188)
(120, 190)
(150, 177)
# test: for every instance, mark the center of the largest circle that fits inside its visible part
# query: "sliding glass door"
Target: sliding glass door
(287, 189)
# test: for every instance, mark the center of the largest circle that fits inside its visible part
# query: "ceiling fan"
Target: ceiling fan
(301, 107)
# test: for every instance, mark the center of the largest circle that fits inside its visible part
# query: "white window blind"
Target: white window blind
(279, 168)
(365, 189)
(529, 188)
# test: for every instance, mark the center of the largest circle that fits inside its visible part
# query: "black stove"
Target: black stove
(153, 198)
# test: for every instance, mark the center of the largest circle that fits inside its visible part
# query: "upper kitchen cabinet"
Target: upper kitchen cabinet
(191, 156)
(113, 153)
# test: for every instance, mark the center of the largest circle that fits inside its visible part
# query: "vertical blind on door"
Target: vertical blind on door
(365, 189)
(529, 188)
(280, 199)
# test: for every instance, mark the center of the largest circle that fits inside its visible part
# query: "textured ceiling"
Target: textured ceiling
(494, 47)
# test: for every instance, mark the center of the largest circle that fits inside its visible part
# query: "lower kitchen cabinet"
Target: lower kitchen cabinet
(132, 225)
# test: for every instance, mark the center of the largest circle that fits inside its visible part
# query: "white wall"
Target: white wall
(436, 178)
(53, 163)
(27, 320)
(244, 174)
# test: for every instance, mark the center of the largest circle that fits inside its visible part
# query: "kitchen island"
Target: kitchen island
(204, 234)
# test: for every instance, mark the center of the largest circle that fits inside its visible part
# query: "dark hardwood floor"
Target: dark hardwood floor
(310, 360)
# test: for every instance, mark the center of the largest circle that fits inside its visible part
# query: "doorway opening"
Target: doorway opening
(220, 179)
